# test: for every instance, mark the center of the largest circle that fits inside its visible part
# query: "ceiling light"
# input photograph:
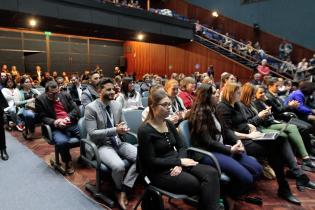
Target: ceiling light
(215, 14)
(33, 22)
(140, 37)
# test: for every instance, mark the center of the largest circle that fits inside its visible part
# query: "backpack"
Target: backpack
(152, 200)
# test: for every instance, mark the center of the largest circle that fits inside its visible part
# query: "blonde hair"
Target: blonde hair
(170, 83)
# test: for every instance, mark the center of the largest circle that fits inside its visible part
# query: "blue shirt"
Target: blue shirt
(299, 96)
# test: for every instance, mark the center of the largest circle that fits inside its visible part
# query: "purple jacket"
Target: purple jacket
(299, 96)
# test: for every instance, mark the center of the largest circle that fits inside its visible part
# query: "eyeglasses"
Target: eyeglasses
(165, 105)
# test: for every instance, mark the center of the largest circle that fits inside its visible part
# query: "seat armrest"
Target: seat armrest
(209, 154)
(47, 133)
(95, 152)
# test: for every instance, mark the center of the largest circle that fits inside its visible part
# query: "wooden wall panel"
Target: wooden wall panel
(145, 58)
(268, 41)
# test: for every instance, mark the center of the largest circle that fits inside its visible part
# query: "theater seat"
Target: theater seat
(133, 119)
(193, 200)
(184, 133)
(47, 135)
(144, 101)
(102, 171)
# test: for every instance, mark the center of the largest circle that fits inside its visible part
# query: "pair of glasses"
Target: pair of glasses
(165, 105)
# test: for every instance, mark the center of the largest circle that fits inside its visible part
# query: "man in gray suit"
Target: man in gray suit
(104, 124)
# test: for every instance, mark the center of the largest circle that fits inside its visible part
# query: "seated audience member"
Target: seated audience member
(57, 109)
(90, 93)
(164, 159)
(3, 79)
(75, 89)
(305, 113)
(65, 78)
(61, 84)
(178, 111)
(45, 79)
(128, 97)
(226, 78)
(236, 127)
(117, 85)
(261, 117)
(206, 133)
(257, 79)
(54, 75)
(38, 74)
(146, 84)
(278, 109)
(15, 74)
(263, 69)
(26, 104)
(105, 123)
(4, 68)
(187, 88)
(10, 92)
(85, 77)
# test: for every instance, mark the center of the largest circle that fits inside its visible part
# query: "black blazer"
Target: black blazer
(74, 94)
(276, 103)
(46, 112)
(231, 119)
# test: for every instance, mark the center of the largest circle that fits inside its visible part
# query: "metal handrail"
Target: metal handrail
(240, 43)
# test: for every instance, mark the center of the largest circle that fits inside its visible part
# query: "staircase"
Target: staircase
(213, 41)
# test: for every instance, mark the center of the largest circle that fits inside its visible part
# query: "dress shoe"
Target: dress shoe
(308, 165)
(303, 182)
(289, 197)
(4, 155)
(122, 200)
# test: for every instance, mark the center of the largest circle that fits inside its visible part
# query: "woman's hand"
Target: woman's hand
(176, 170)
(254, 135)
(237, 148)
(188, 162)
(263, 114)
(252, 128)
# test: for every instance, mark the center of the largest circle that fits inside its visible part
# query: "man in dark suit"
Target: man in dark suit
(58, 110)
(76, 89)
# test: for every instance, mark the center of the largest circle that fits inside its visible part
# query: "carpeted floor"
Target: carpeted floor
(27, 183)
(264, 188)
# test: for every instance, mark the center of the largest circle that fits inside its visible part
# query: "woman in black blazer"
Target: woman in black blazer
(236, 127)
(3, 105)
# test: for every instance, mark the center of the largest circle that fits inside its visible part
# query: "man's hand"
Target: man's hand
(121, 128)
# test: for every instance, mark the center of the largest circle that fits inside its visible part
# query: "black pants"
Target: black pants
(2, 132)
(199, 180)
(272, 150)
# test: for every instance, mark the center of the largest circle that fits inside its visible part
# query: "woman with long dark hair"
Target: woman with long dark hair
(129, 98)
(26, 104)
(206, 133)
(164, 159)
